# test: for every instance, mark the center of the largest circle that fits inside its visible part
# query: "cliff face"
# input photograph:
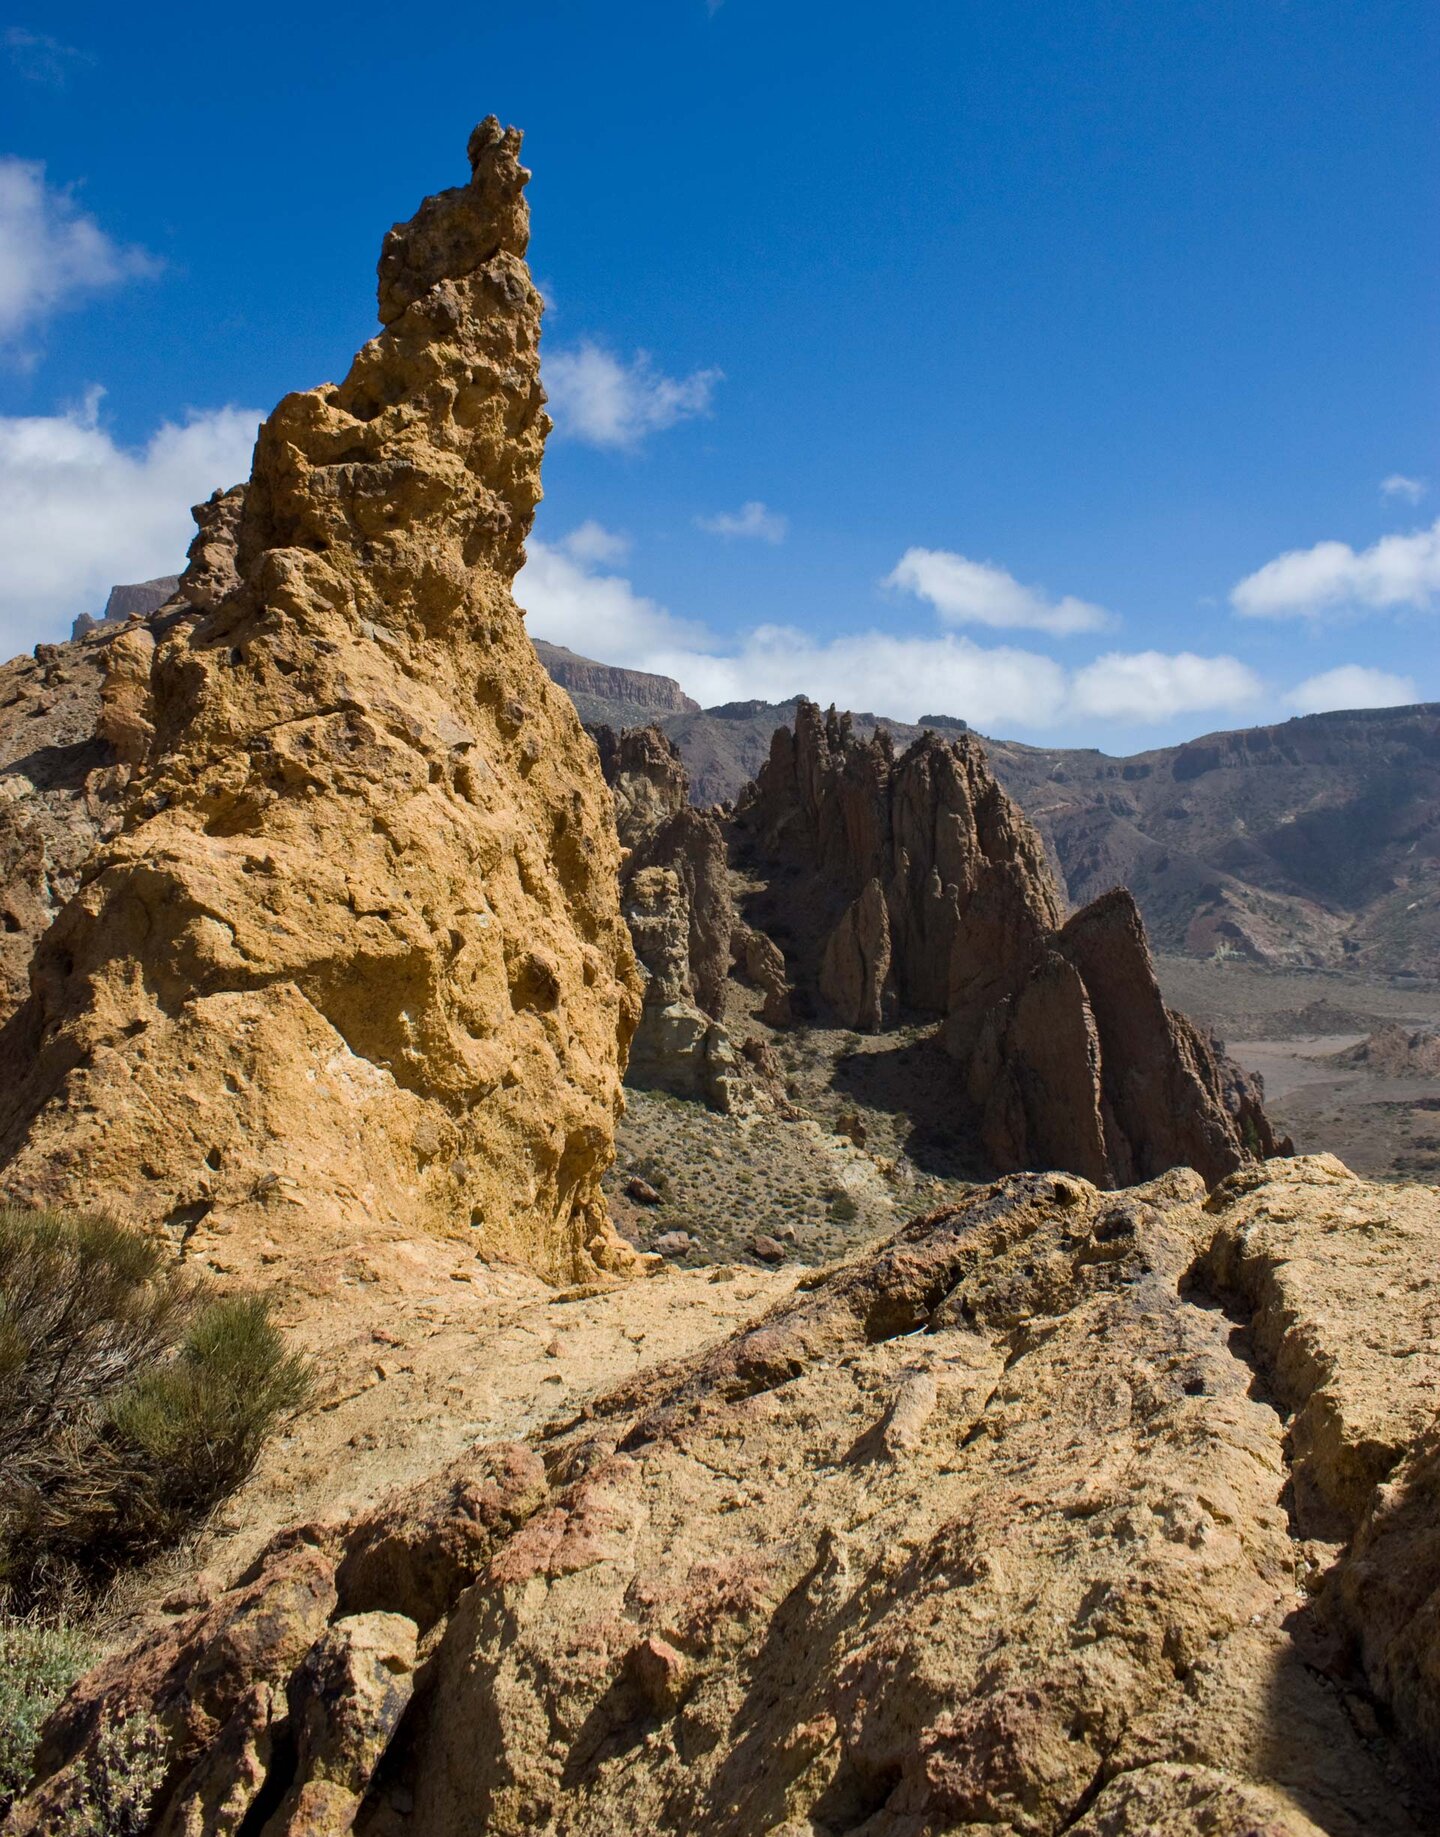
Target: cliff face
(675, 890)
(357, 951)
(918, 885)
(59, 793)
(605, 694)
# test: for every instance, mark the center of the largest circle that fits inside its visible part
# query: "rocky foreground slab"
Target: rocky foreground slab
(1063, 1510)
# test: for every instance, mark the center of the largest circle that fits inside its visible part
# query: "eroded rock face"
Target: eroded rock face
(357, 951)
(932, 831)
(646, 778)
(675, 890)
(677, 1047)
(924, 888)
(991, 1529)
(60, 792)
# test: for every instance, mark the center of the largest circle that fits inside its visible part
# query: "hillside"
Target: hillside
(604, 694)
(1312, 842)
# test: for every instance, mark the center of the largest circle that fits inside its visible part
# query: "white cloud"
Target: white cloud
(1394, 573)
(79, 512)
(40, 58)
(51, 252)
(598, 615)
(592, 542)
(1141, 686)
(1352, 685)
(597, 398)
(753, 519)
(905, 676)
(966, 592)
(1399, 486)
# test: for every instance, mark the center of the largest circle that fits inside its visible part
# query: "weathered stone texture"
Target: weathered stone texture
(923, 889)
(1006, 1526)
(358, 950)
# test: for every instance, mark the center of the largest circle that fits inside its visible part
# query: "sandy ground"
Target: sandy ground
(1290, 1026)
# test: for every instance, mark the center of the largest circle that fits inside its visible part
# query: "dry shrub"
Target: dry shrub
(131, 1401)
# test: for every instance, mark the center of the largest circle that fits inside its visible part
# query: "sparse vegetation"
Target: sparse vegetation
(123, 1772)
(39, 1661)
(131, 1401)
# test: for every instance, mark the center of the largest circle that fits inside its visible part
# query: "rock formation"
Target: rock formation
(135, 601)
(678, 1047)
(646, 778)
(923, 888)
(675, 889)
(357, 951)
(59, 793)
(1001, 1527)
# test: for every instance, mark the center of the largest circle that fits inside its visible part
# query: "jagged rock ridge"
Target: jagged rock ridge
(357, 951)
(913, 882)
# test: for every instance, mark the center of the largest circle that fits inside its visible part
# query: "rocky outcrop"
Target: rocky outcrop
(646, 778)
(675, 888)
(1000, 1527)
(59, 792)
(931, 832)
(357, 952)
(678, 1047)
(925, 889)
(760, 961)
(1083, 1066)
(136, 601)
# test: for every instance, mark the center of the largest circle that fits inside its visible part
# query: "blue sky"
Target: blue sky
(1067, 366)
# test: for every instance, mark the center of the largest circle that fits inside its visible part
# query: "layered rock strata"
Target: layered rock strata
(1063, 1510)
(604, 693)
(357, 951)
(926, 890)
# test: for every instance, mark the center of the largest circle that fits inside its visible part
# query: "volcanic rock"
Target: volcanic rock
(1003, 1527)
(926, 889)
(133, 601)
(760, 960)
(606, 695)
(677, 1047)
(60, 793)
(646, 778)
(357, 951)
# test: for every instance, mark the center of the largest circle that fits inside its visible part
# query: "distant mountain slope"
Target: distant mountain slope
(1316, 840)
(605, 694)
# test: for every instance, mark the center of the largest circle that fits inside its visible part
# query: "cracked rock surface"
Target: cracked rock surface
(1015, 1523)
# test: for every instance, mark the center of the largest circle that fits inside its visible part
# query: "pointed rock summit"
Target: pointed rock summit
(356, 953)
(914, 885)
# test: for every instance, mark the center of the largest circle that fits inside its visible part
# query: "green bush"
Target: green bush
(131, 1401)
(191, 1430)
(38, 1664)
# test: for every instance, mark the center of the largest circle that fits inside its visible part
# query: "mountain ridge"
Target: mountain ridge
(1310, 842)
